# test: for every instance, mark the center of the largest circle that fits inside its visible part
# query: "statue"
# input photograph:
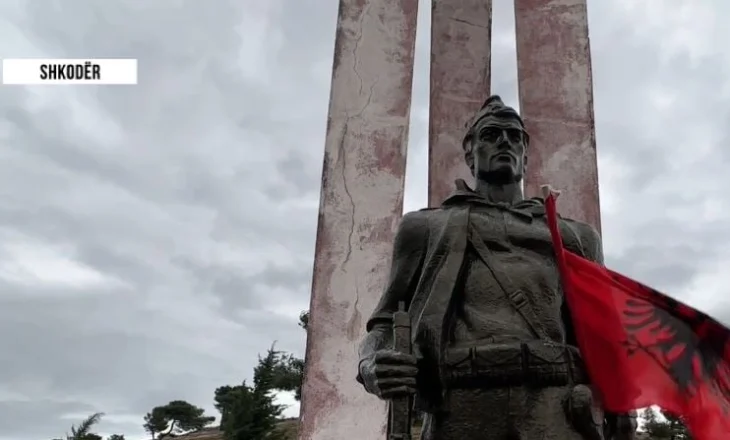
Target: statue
(493, 356)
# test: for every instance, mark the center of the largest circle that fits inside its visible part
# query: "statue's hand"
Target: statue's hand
(585, 417)
(622, 426)
(388, 373)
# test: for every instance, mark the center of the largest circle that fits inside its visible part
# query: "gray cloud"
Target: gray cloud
(155, 238)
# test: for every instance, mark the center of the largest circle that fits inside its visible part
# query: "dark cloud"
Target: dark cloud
(19, 417)
(154, 239)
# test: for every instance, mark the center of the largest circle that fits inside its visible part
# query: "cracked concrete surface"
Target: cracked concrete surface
(460, 76)
(556, 100)
(361, 203)
(365, 153)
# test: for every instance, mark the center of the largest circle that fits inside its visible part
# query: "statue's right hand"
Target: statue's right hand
(389, 373)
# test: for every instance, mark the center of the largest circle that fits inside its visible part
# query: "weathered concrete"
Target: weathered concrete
(461, 36)
(556, 102)
(361, 203)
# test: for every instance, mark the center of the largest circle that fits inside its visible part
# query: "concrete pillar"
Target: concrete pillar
(556, 101)
(361, 204)
(461, 48)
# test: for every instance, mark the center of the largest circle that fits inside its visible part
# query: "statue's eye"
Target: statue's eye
(514, 135)
(489, 134)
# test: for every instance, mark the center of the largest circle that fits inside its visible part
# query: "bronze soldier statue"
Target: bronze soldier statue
(494, 356)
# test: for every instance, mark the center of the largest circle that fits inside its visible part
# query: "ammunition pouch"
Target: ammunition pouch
(536, 363)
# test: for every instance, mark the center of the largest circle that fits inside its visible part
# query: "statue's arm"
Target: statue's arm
(409, 250)
(592, 244)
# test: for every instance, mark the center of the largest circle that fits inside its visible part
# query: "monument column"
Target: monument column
(461, 52)
(360, 206)
(556, 102)
(365, 153)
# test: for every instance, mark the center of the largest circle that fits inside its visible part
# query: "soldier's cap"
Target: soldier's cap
(493, 106)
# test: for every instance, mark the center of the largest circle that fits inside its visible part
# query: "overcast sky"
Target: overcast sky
(155, 238)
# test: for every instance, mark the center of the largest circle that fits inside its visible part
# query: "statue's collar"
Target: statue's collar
(534, 207)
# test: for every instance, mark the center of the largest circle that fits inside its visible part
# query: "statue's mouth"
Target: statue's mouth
(503, 156)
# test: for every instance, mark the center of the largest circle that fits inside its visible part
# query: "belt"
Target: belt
(535, 363)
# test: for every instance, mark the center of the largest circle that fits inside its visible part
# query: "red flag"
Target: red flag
(643, 348)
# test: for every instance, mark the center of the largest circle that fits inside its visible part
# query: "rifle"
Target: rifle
(401, 407)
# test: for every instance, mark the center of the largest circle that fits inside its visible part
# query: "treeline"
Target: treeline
(247, 411)
(662, 425)
(83, 430)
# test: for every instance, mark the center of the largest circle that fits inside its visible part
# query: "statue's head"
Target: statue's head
(496, 143)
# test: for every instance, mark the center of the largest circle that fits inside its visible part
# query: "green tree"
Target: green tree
(175, 418)
(678, 430)
(248, 412)
(235, 403)
(655, 427)
(225, 398)
(666, 427)
(229, 399)
(289, 375)
(304, 320)
(83, 430)
(289, 370)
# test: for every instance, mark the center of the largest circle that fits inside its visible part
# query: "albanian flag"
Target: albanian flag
(643, 348)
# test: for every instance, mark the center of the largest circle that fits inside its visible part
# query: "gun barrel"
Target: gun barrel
(401, 407)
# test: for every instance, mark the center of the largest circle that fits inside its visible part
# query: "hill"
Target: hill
(289, 427)
(286, 426)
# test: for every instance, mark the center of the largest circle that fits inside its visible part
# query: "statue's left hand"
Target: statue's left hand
(625, 428)
(583, 414)
(621, 426)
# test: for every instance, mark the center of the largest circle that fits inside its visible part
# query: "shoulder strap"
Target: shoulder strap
(515, 296)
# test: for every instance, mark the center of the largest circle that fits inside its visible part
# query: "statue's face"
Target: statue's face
(498, 150)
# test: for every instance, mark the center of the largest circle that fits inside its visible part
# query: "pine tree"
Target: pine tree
(175, 418)
(669, 427)
(83, 430)
(289, 371)
(249, 412)
(677, 428)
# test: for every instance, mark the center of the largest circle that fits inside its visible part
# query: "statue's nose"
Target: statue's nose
(503, 143)
(503, 140)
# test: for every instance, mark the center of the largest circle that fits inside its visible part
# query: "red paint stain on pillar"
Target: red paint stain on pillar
(461, 35)
(360, 206)
(556, 101)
